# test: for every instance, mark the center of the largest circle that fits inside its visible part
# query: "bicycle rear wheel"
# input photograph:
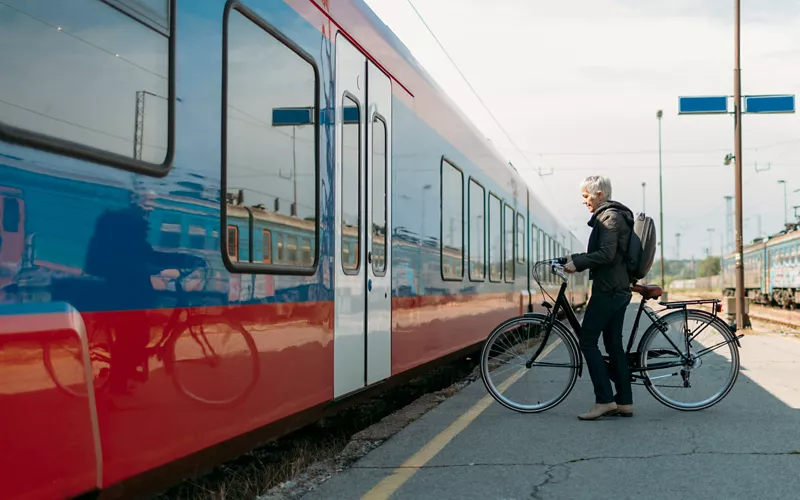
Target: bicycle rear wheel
(547, 382)
(213, 361)
(692, 365)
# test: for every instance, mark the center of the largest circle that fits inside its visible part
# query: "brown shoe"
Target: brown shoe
(625, 410)
(599, 410)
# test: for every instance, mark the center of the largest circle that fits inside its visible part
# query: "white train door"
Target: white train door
(362, 319)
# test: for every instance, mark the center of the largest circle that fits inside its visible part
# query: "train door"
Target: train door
(362, 319)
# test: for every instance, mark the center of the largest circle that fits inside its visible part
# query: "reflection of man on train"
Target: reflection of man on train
(120, 254)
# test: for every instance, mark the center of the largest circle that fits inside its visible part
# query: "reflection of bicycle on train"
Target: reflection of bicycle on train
(209, 355)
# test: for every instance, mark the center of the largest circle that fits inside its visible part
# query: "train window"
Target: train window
(306, 249)
(495, 239)
(379, 199)
(520, 239)
(90, 79)
(351, 184)
(170, 235)
(266, 246)
(11, 215)
(270, 137)
(197, 237)
(291, 249)
(477, 231)
(233, 243)
(452, 219)
(508, 247)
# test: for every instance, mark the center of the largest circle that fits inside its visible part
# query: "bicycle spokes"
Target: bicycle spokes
(515, 378)
(692, 363)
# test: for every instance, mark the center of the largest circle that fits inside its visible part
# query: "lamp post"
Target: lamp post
(660, 198)
(643, 205)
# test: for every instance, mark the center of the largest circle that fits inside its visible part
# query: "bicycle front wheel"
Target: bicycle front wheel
(693, 364)
(551, 376)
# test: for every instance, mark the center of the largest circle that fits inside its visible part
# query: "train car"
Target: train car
(783, 269)
(755, 266)
(222, 220)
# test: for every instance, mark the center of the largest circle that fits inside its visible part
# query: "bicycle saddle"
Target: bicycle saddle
(648, 291)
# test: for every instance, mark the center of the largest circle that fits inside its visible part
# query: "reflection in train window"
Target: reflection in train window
(495, 239)
(85, 72)
(306, 250)
(379, 198)
(197, 237)
(351, 184)
(508, 250)
(11, 215)
(280, 248)
(170, 235)
(271, 138)
(477, 231)
(233, 243)
(266, 246)
(520, 239)
(452, 219)
(291, 249)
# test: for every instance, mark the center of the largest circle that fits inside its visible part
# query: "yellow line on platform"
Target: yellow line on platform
(402, 474)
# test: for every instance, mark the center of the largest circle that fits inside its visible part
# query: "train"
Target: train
(771, 269)
(224, 220)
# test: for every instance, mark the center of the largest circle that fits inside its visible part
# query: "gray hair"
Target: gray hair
(595, 183)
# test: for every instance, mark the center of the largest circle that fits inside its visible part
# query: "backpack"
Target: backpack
(641, 247)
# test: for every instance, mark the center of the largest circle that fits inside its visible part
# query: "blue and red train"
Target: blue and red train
(222, 220)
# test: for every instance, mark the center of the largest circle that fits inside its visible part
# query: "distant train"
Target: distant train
(223, 220)
(771, 269)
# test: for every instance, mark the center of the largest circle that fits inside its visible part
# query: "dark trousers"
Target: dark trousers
(606, 313)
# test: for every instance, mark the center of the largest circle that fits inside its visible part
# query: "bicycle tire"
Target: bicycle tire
(561, 332)
(170, 360)
(711, 321)
(99, 384)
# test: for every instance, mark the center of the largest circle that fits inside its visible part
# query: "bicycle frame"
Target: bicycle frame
(561, 303)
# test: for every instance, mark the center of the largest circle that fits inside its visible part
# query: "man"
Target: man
(611, 224)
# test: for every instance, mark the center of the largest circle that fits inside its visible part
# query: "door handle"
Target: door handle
(369, 285)
(369, 257)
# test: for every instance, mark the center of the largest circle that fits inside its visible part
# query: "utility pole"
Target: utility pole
(785, 217)
(737, 138)
(138, 125)
(661, 196)
(677, 246)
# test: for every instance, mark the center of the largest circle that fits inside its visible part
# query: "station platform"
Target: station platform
(746, 446)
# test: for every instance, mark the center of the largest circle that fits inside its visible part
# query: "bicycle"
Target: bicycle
(652, 364)
(182, 319)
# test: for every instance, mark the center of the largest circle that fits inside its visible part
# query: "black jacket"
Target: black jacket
(611, 225)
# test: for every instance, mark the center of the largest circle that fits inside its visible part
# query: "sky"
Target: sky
(577, 85)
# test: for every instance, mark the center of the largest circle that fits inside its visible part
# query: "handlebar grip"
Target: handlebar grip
(561, 260)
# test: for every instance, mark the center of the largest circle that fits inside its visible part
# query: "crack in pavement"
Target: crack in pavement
(585, 459)
(550, 479)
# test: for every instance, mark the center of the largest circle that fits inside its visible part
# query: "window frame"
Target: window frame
(470, 181)
(257, 267)
(489, 233)
(520, 238)
(55, 145)
(266, 234)
(452, 277)
(354, 271)
(235, 229)
(513, 274)
(377, 117)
